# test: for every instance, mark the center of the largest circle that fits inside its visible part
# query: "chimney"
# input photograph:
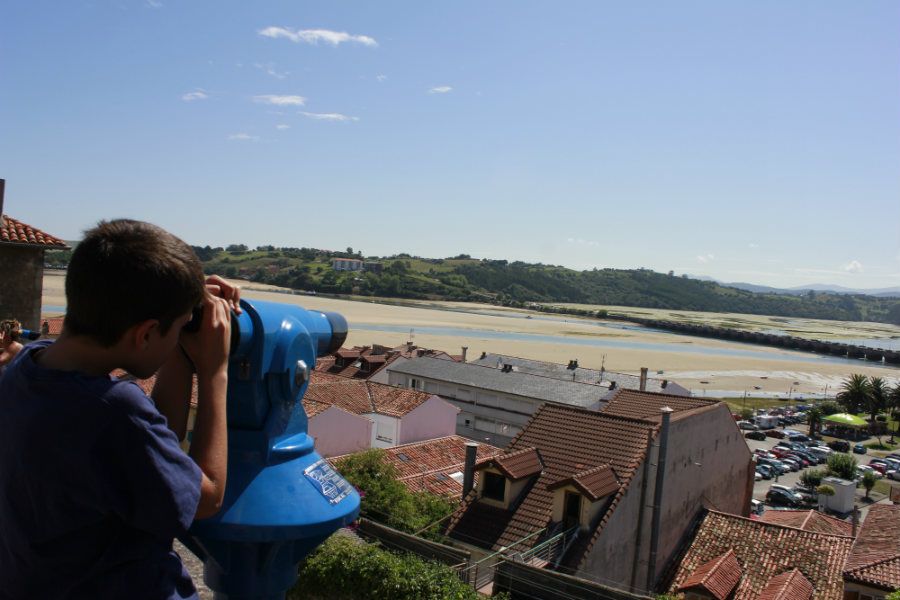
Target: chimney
(658, 492)
(665, 382)
(855, 520)
(409, 346)
(469, 469)
(483, 355)
(465, 349)
(2, 191)
(643, 379)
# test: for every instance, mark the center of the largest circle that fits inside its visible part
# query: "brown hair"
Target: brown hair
(11, 329)
(125, 272)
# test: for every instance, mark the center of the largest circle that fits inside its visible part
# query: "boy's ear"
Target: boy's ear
(141, 333)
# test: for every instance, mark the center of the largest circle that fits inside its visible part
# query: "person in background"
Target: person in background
(10, 332)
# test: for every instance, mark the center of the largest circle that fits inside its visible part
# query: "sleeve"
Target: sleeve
(155, 486)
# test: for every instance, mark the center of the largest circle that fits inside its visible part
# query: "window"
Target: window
(494, 487)
(572, 510)
(414, 384)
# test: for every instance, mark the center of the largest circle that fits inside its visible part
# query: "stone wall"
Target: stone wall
(21, 283)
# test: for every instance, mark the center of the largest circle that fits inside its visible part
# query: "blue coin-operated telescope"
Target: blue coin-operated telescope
(281, 498)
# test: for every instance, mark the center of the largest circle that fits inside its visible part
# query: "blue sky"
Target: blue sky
(755, 141)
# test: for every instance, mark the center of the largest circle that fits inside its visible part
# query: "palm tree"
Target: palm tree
(814, 418)
(854, 393)
(877, 400)
(894, 403)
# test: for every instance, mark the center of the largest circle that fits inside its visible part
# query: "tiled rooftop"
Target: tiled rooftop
(361, 396)
(13, 231)
(428, 465)
(717, 577)
(875, 558)
(790, 585)
(765, 551)
(518, 384)
(808, 520)
(647, 405)
(571, 441)
(594, 483)
(516, 465)
(576, 373)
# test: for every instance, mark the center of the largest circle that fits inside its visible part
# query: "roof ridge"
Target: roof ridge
(873, 563)
(770, 524)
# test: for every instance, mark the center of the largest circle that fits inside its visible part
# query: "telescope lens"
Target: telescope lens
(338, 332)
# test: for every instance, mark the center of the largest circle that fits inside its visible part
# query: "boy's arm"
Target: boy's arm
(208, 350)
(172, 391)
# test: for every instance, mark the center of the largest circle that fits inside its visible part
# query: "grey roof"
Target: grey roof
(545, 389)
(579, 374)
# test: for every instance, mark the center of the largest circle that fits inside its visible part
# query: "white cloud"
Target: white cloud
(705, 258)
(314, 36)
(282, 126)
(854, 266)
(154, 4)
(381, 78)
(276, 100)
(244, 137)
(195, 95)
(269, 69)
(329, 116)
(442, 89)
(582, 242)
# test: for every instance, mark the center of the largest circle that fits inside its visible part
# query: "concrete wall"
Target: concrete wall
(385, 430)
(21, 274)
(432, 419)
(338, 432)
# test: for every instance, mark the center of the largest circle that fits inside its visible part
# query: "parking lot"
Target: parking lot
(791, 479)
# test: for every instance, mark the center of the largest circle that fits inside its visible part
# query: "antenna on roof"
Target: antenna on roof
(602, 368)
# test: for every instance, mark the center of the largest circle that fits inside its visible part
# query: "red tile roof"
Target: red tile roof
(54, 324)
(765, 550)
(594, 483)
(515, 465)
(428, 465)
(348, 362)
(875, 558)
(571, 441)
(808, 520)
(790, 585)
(647, 405)
(13, 231)
(360, 396)
(717, 577)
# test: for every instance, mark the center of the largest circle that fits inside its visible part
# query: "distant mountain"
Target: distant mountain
(893, 292)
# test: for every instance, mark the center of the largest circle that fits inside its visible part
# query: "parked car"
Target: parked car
(747, 425)
(757, 476)
(778, 467)
(780, 451)
(796, 436)
(766, 471)
(840, 445)
(804, 462)
(863, 468)
(859, 449)
(755, 435)
(895, 475)
(779, 497)
(878, 466)
(791, 463)
(775, 433)
(757, 507)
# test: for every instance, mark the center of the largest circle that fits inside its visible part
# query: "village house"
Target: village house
(22, 268)
(872, 569)
(349, 415)
(573, 372)
(370, 362)
(347, 264)
(615, 490)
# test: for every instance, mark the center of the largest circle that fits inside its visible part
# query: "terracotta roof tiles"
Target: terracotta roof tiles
(362, 397)
(790, 585)
(647, 405)
(717, 577)
(516, 465)
(594, 483)
(808, 520)
(765, 550)
(13, 231)
(875, 558)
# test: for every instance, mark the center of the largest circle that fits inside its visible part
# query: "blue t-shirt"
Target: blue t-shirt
(93, 488)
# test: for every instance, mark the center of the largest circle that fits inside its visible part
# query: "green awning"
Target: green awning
(846, 420)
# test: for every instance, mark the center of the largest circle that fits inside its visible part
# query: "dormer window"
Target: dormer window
(578, 499)
(494, 487)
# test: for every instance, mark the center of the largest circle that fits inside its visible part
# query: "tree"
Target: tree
(811, 478)
(877, 401)
(829, 408)
(746, 414)
(854, 393)
(868, 481)
(825, 490)
(894, 403)
(814, 419)
(842, 465)
(387, 500)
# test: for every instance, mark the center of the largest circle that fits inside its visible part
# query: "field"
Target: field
(727, 368)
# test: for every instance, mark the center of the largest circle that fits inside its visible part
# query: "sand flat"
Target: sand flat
(773, 370)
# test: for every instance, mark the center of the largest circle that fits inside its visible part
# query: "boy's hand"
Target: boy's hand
(208, 348)
(221, 288)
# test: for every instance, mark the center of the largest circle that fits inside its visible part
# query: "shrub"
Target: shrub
(811, 478)
(842, 465)
(825, 490)
(342, 568)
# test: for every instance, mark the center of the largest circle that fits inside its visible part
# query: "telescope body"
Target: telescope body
(281, 498)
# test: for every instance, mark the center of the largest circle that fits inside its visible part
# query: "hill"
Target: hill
(517, 284)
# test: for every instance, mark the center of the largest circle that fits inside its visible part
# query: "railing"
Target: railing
(550, 550)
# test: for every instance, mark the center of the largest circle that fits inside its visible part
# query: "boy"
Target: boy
(93, 483)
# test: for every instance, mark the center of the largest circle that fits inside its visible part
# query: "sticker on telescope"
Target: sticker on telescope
(329, 483)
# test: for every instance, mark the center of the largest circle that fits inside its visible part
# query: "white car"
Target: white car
(866, 468)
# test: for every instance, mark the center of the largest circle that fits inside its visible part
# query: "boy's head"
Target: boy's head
(126, 272)
(10, 330)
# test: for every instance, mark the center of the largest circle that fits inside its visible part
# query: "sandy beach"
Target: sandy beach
(723, 366)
